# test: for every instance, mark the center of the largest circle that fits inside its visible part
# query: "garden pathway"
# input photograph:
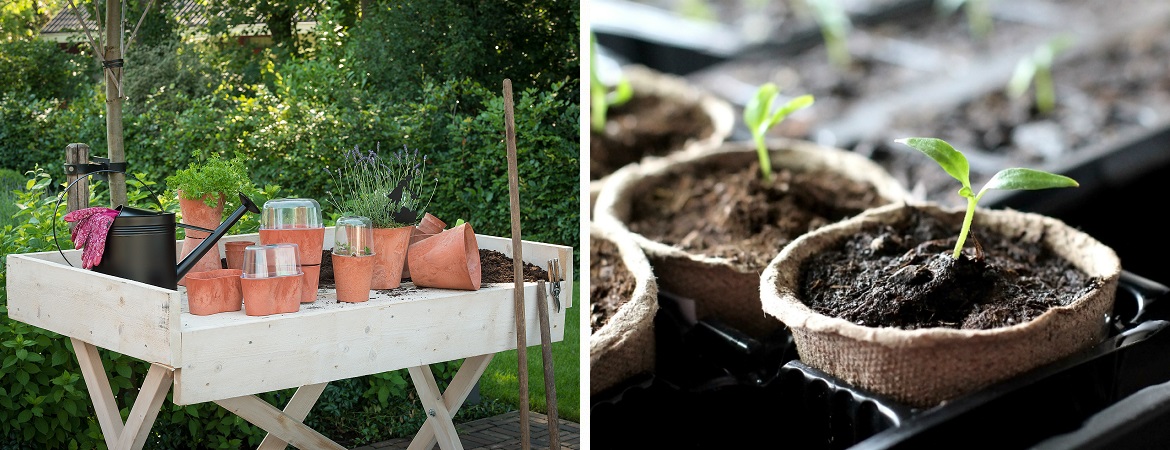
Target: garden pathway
(501, 432)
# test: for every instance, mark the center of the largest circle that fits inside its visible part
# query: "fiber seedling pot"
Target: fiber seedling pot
(727, 287)
(624, 293)
(214, 291)
(927, 366)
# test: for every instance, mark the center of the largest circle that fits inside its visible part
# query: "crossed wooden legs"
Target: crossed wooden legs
(440, 407)
(133, 433)
(284, 427)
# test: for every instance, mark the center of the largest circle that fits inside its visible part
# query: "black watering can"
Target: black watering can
(140, 245)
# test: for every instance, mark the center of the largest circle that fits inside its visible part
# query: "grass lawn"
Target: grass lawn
(499, 380)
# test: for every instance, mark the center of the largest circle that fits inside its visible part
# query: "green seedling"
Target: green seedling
(978, 13)
(601, 97)
(835, 27)
(955, 164)
(759, 117)
(1036, 70)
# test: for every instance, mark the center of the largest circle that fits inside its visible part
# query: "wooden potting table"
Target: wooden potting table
(228, 358)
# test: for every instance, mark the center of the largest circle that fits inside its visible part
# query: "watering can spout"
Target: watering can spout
(246, 205)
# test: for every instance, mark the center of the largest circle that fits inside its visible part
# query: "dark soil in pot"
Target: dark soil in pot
(734, 214)
(495, 267)
(611, 284)
(647, 125)
(904, 277)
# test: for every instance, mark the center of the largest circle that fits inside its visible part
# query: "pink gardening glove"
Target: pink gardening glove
(90, 232)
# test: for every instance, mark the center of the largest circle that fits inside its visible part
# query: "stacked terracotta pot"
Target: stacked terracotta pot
(297, 221)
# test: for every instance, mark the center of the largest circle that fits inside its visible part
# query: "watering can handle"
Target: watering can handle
(57, 206)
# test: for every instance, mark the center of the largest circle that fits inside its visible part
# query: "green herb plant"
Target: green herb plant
(835, 27)
(602, 96)
(759, 117)
(955, 164)
(1036, 70)
(214, 176)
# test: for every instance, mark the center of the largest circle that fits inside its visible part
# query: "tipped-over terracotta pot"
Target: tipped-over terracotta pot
(390, 256)
(429, 226)
(234, 253)
(208, 262)
(448, 260)
(274, 295)
(353, 276)
(214, 291)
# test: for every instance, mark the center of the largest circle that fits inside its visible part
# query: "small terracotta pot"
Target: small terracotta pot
(275, 295)
(234, 252)
(214, 291)
(310, 241)
(353, 276)
(311, 281)
(197, 213)
(210, 261)
(429, 226)
(448, 260)
(390, 256)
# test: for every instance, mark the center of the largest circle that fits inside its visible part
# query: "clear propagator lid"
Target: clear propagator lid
(354, 236)
(271, 260)
(284, 213)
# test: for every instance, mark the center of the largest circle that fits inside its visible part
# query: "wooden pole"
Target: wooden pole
(78, 196)
(550, 384)
(113, 76)
(517, 265)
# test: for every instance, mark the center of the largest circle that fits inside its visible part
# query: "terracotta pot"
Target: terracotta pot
(210, 261)
(214, 291)
(310, 282)
(926, 366)
(353, 276)
(197, 213)
(275, 295)
(448, 260)
(390, 256)
(234, 253)
(429, 226)
(310, 241)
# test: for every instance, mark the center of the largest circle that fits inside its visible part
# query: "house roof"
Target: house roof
(189, 13)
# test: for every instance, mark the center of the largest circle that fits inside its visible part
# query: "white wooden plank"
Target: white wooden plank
(298, 408)
(126, 316)
(437, 414)
(100, 393)
(238, 354)
(258, 412)
(146, 406)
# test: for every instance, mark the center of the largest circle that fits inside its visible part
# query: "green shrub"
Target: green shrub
(40, 69)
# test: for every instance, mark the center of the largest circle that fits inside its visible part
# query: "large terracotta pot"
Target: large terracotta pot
(214, 291)
(196, 212)
(353, 275)
(448, 260)
(390, 256)
(275, 295)
(429, 226)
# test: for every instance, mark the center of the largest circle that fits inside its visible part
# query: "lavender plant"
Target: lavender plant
(392, 192)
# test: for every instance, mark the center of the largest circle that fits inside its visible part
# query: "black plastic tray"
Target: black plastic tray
(716, 388)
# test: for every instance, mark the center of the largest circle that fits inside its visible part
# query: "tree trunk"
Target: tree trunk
(113, 52)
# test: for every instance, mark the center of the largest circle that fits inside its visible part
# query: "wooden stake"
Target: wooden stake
(78, 195)
(113, 77)
(550, 384)
(517, 264)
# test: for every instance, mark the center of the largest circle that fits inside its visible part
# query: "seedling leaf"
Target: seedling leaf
(945, 155)
(758, 116)
(1018, 178)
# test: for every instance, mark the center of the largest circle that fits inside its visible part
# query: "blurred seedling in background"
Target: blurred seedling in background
(1036, 70)
(955, 164)
(835, 27)
(759, 117)
(978, 13)
(602, 96)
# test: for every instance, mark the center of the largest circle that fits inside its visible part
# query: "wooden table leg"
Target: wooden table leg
(286, 428)
(131, 434)
(298, 408)
(457, 392)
